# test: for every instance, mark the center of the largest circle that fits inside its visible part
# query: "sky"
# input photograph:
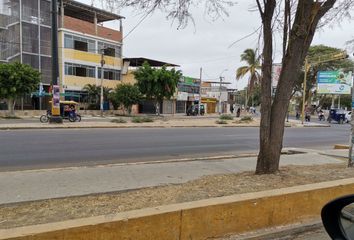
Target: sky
(207, 43)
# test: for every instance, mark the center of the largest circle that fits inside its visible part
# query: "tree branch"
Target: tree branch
(261, 12)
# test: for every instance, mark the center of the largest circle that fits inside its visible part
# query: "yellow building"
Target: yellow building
(82, 40)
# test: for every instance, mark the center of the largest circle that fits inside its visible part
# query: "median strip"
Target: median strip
(199, 219)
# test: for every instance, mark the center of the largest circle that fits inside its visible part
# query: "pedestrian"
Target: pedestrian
(238, 113)
(297, 115)
(232, 109)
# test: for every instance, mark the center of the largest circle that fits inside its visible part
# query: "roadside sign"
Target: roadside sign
(334, 82)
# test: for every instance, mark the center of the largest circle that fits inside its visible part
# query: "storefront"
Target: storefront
(210, 104)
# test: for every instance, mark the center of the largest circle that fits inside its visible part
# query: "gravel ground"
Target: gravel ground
(53, 210)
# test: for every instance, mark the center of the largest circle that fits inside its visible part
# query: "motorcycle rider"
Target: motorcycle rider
(321, 115)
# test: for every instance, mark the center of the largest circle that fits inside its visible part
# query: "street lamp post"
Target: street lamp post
(102, 73)
(220, 89)
(200, 90)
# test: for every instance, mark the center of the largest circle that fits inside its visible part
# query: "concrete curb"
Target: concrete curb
(341, 146)
(113, 126)
(197, 220)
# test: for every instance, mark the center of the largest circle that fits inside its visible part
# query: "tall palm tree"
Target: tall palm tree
(252, 69)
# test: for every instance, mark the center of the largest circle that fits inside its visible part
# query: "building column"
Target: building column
(95, 23)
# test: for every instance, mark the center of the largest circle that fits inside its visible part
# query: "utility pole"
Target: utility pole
(200, 90)
(220, 95)
(304, 92)
(102, 73)
(56, 118)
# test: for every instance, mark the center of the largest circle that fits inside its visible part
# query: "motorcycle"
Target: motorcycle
(307, 117)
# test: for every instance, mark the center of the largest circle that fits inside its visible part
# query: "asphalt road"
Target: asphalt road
(29, 149)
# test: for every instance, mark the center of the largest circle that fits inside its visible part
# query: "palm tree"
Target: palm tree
(253, 65)
(93, 93)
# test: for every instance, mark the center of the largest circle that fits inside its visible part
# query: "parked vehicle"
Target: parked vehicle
(337, 115)
(348, 117)
(193, 110)
(67, 111)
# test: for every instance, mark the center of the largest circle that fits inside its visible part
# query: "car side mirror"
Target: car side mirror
(338, 218)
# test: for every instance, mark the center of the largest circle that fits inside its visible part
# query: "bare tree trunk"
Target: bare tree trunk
(273, 116)
(157, 107)
(11, 106)
(265, 159)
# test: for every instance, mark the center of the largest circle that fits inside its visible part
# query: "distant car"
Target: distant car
(348, 117)
(337, 115)
(193, 110)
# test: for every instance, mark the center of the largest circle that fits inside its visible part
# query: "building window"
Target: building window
(46, 40)
(30, 11)
(45, 13)
(109, 74)
(30, 38)
(32, 60)
(110, 49)
(79, 70)
(79, 43)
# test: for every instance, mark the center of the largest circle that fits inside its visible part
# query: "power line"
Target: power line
(137, 25)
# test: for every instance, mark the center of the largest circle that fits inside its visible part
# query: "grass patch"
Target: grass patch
(226, 117)
(119, 120)
(246, 119)
(142, 119)
(11, 117)
(147, 119)
(221, 122)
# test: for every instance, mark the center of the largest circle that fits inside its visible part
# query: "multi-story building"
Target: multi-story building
(188, 93)
(167, 106)
(212, 94)
(25, 36)
(82, 40)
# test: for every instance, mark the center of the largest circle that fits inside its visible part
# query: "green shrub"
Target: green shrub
(246, 119)
(226, 117)
(142, 119)
(221, 122)
(137, 120)
(147, 119)
(118, 120)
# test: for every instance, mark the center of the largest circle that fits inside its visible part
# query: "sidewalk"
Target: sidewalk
(163, 122)
(55, 183)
